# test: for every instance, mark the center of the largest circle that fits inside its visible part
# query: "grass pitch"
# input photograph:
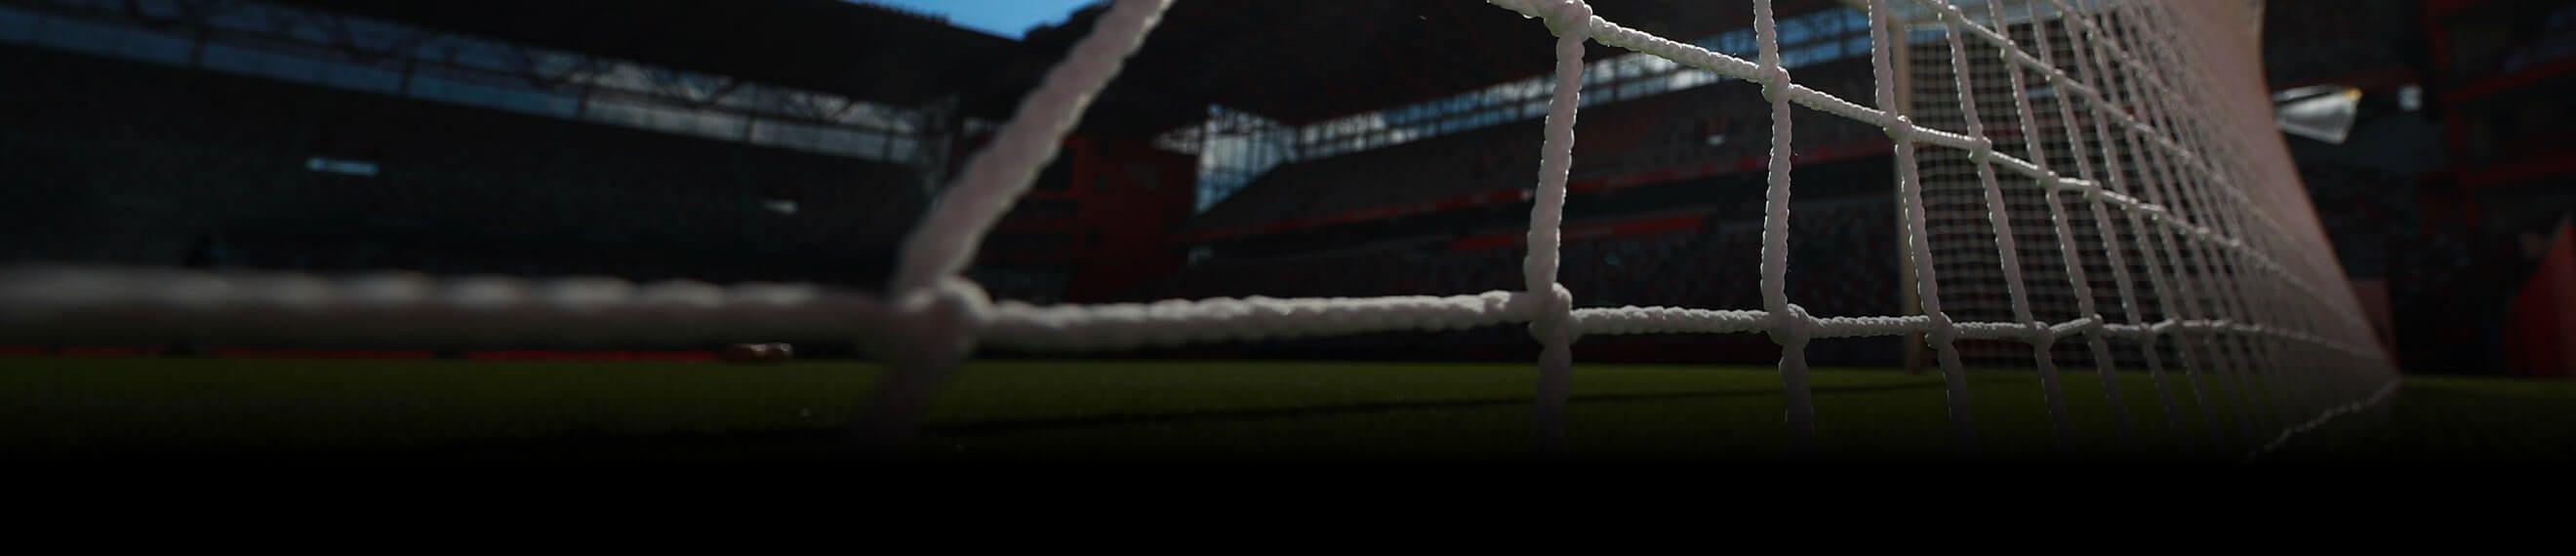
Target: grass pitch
(434, 411)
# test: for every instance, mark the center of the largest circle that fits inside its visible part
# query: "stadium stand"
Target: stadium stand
(1704, 264)
(235, 158)
(1612, 140)
(138, 155)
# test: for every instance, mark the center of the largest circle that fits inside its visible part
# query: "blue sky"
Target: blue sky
(1009, 18)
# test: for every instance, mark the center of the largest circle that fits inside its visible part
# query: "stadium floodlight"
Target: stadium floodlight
(2129, 142)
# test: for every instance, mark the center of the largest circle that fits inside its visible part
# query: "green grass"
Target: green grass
(70, 407)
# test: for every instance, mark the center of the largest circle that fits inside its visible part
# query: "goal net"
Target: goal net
(2088, 189)
(2116, 177)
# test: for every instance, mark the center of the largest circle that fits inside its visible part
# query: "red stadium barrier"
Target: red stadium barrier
(1581, 231)
(544, 355)
(109, 351)
(288, 353)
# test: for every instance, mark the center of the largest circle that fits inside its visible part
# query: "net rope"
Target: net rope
(2242, 296)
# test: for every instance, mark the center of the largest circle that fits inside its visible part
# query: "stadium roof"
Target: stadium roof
(865, 51)
(1293, 61)
(1301, 62)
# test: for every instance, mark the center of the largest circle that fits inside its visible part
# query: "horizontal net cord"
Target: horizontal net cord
(1903, 129)
(1176, 322)
(74, 303)
(1677, 320)
(109, 304)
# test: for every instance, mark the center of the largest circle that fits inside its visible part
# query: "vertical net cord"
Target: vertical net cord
(945, 242)
(2150, 75)
(1943, 334)
(2288, 361)
(2073, 259)
(2223, 296)
(946, 311)
(1788, 322)
(2188, 260)
(1552, 323)
(2092, 63)
(2227, 217)
(2112, 246)
(2038, 335)
(2281, 358)
(2184, 297)
(2154, 81)
(2284, 343)
(2261, 393)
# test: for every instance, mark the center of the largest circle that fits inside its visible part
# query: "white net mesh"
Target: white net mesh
(2083, 185)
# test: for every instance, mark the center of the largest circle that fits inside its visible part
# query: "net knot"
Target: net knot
(1572, 17)
(2040, 334)
(940, 322)
(1775, 81)
(1792, 327)
(1943, 332)
(1552, 313)
(1899, 128)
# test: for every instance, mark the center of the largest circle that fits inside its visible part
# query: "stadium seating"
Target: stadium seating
(1848, 244)
(1613, 139)
(1845, 256)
